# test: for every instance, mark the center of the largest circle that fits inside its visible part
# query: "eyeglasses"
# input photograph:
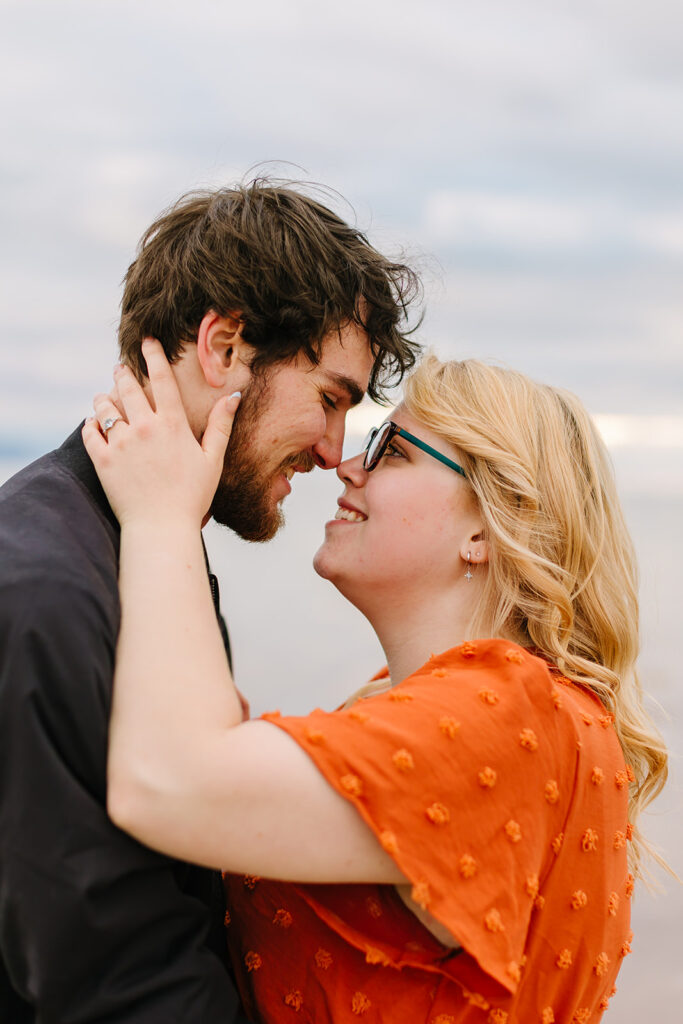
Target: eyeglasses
(379, 438)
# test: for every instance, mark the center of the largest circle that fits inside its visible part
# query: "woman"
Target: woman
(479, 805)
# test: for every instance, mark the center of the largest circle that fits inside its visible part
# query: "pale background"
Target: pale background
(528, 155)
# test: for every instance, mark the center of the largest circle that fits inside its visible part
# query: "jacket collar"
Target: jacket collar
(73, 456)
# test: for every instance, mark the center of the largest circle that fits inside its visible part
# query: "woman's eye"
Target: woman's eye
(392, 451)
(330, 402)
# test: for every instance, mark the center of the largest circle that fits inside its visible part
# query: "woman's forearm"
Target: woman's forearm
(173, 690)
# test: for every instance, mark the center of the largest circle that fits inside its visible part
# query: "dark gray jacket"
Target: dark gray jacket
(94, 927)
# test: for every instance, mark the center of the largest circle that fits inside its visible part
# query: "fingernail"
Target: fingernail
(236, 394)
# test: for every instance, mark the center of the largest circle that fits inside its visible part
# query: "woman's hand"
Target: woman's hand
(152, 467)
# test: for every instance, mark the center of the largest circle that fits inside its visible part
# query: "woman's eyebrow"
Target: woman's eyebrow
(352, 388)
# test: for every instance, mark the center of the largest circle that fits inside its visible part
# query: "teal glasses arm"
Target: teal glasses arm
(431, 451)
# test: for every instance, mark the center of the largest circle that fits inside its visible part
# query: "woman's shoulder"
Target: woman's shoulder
(492, 671)
(491, 654)
(506, 664)
(515, 693)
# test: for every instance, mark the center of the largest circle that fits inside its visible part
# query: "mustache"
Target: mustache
(304, 462)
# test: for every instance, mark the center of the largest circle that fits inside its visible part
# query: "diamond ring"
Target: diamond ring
(109, 423)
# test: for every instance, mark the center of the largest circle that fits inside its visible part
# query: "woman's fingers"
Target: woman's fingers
(133, 403)
(147, 457)
(95, 443)
(219, 427)
(107, 414)
(163, 383)
(130, 394)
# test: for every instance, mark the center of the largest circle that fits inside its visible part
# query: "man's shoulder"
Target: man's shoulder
(59, 603)
(53, 534)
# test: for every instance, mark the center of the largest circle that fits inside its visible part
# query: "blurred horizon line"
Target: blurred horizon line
(621, 430)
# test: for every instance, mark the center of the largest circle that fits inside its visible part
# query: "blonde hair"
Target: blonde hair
(562, 575)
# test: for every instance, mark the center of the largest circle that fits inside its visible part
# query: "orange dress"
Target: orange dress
(500, 790)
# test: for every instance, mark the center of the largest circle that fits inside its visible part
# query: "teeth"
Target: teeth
(348, 514)
(289, 473)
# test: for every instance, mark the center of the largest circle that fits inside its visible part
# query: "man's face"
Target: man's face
(291, 418)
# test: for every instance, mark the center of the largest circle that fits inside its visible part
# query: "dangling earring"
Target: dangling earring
(469, 574)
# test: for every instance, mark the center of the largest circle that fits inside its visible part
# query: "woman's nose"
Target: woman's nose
(352, 471)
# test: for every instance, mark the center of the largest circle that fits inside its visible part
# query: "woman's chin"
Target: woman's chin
(322, 563)
(329, 568)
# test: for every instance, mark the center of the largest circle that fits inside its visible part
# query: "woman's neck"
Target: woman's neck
(410, 635)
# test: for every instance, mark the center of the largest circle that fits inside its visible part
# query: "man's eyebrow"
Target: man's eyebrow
(348, 384)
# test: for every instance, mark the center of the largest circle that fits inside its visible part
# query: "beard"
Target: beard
(243, 500)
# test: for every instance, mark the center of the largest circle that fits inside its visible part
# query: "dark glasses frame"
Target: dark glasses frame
(379, 438)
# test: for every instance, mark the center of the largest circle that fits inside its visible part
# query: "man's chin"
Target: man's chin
(255, 524)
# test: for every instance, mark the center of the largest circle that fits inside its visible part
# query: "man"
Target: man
(258, 289)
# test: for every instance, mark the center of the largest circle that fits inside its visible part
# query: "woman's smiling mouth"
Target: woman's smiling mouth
(350, 515)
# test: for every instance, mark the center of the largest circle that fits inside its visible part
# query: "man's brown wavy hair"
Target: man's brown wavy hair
(291, 268)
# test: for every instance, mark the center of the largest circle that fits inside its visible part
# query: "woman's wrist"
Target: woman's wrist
(151, 523)
(161, 545)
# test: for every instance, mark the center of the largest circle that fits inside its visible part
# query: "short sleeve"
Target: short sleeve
(465, 773)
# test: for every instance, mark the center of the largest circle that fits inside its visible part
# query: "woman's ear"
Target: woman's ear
(222, 353)
(474, 548)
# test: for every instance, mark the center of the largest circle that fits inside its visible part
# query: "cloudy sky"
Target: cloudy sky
(527, 155)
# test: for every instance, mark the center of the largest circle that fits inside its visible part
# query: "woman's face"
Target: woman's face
(413, 524)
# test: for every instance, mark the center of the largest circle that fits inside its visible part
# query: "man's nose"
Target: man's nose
(328, 451)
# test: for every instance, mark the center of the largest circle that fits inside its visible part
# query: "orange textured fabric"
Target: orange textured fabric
(497, 787)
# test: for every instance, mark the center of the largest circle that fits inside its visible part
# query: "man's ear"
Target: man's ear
(222, 353)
